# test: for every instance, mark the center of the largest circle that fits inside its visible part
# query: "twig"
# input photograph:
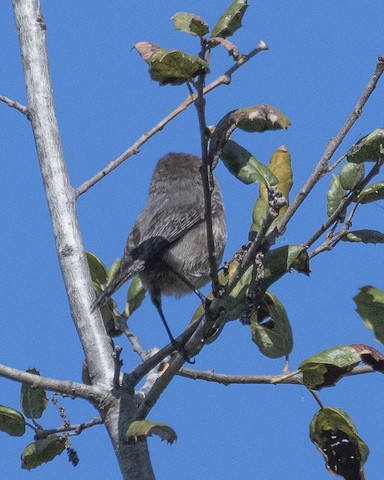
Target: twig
(322, 167)
(317, 398)
(118, 364)
(333, 239)
(69, 388)
(206, 172)
(77, 429)
(133, 340)
(224, 79)
(13, 104)
(229, 379)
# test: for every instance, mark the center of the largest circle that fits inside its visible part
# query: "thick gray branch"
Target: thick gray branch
(117, 407)
(60, 194)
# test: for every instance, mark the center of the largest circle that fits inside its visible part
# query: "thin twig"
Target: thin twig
(206, 172)
(317, 398)
(13, 104)
(77, 429)
(229, 379)
(118, 364)
(133, 340)
(322, 167)
(224, 79)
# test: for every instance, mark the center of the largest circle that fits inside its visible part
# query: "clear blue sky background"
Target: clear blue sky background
(321, 57)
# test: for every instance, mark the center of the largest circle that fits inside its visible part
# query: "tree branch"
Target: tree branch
(66, 387)
(13, 104)
(229, 379)
(77, 429)
(322, 167)
(224, 79)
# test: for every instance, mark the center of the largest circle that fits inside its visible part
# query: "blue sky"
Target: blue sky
(321, 55)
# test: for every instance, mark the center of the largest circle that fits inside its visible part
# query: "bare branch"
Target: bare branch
(66, 387)
(229, 379)
(77, 429)
(224, 79)
(13, 104)
(118, 364)
(322, 167)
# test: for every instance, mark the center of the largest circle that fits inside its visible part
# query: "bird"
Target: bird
(167, 246)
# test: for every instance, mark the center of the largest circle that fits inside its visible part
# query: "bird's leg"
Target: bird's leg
(175, 344)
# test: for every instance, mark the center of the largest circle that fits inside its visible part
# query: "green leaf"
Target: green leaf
(136, 295)
(170, 66)
(41, 451)
(231, 19)
(335, 195)
(34, 400)
(260, 118)
(114, 270)
(335, 436)
(244, 166)
(277, 263)
(280, 166)
(367, 149)
(11, 421)
(351, 174)
(370, 307)
(329, 366)
(97, 268)
(365, 236)
(371, 193)
(141, 429)
(190, 23)
(270, 328)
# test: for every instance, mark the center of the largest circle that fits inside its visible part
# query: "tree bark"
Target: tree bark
(119, 404)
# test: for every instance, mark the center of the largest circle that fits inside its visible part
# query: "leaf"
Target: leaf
(141, 429)
(351, 174)
(11, 421)
(328, 367)
(371, 193)
(170, 66)
(97, 268)
(370, 307)
(365, 236)
(229, 46)
(370, 356)
(190, 23)
(259, 118)
(244, 166)
(114, 270)
(335, 195)
(277, 262)
(270, 328)
(367, 149)
(231, 19)
(136, 295)
(34, 400)
(336, 437)
(280, 166)
(41, 451)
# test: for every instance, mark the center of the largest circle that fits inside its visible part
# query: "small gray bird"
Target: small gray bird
(167, 247)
